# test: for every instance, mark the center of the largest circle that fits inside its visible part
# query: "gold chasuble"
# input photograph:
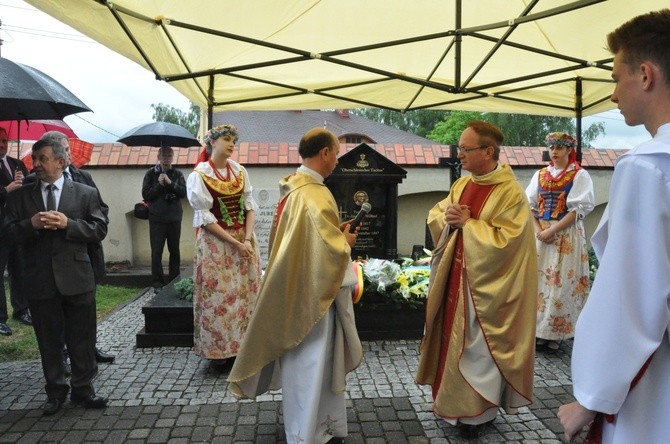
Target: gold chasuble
(306, 243)
(490, 265)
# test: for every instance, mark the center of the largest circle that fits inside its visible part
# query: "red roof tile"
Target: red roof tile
(106, 155)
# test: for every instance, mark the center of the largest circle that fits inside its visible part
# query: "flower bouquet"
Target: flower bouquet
(402, 283)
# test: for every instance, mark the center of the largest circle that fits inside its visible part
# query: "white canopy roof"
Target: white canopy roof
(517, 56)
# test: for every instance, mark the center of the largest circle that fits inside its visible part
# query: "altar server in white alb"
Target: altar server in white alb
(621, 355)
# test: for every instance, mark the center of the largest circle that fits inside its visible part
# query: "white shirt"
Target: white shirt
(57, 191)
(627, 316)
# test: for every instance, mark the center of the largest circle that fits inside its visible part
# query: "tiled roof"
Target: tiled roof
(270, 126)
(106, 155)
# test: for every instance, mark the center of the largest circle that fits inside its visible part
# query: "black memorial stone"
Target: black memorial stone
(364, 175)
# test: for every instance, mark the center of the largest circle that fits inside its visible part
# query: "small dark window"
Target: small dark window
(354, 139)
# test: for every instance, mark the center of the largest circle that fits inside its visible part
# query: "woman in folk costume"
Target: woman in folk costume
(560, 196)
(227, 264)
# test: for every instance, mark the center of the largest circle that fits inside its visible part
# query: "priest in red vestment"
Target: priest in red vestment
(478, 347)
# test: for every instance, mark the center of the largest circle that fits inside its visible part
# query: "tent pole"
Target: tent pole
(578, 115)
(458, 37)
(210, 102)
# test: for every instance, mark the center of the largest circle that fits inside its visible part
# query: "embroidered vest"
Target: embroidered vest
(552, 194)
(229, 202)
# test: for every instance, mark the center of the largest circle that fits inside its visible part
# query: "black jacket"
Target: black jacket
(164, 201)
(6, 179)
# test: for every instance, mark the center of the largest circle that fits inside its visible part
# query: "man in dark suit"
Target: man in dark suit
(52, 222)
(12, 172)
(95, 250)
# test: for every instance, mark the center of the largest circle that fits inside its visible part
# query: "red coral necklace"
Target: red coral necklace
(229, 173)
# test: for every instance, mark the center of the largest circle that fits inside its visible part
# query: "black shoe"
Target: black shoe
(336, 440)
(24, 318)
(472, 431)
(52, 406)
(5, 330)
(101, 356)
(89, 402)
(223, 365)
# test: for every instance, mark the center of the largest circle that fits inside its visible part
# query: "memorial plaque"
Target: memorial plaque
(363, 175)
(267, 199)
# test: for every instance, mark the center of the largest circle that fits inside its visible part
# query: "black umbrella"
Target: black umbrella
(28, 94)
(159, 134)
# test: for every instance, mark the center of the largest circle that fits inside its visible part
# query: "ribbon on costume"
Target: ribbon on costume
(357, 292)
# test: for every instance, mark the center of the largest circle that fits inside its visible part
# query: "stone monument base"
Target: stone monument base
(168, 321)
(389, 322)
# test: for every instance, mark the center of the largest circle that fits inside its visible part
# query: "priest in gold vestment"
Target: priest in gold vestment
(478, 351)
(302, 336)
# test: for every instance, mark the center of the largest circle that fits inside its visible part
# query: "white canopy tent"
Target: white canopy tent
(518, 56)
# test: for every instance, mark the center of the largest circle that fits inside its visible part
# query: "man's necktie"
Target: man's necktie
(51, 197)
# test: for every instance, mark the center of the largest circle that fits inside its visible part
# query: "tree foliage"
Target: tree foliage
(189, 120)
(449, 130)
(446, 126)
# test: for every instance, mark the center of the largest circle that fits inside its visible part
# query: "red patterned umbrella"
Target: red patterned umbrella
(33, 129)
(80, 154)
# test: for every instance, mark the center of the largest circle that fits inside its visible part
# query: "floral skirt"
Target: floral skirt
(563, 282)
(225, 288)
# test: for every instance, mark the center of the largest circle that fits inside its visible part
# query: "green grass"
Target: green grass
(22, 345)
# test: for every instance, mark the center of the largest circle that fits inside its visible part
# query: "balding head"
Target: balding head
(319, 149)
(315, 140)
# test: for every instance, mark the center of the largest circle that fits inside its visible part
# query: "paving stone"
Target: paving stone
(168, 394)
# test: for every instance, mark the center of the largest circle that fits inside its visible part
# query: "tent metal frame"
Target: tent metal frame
(460, 88)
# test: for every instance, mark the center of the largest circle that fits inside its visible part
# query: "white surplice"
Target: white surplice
(313, 411)
(627, 316)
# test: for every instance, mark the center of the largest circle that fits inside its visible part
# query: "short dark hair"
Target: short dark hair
(644, 38)
(489, 134)
(314, 141)
(57, 148)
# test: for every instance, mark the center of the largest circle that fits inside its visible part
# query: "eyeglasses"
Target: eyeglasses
(462, 149)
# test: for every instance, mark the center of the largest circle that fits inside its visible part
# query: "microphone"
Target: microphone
(365, 209)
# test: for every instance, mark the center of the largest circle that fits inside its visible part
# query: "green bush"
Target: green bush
(185, 288)
(593, 265)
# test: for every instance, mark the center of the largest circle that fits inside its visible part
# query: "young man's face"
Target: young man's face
(627, 90)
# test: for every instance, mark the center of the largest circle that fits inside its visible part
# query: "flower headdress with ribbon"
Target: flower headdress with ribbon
(565, 140)
(215, 133)
(220, 131)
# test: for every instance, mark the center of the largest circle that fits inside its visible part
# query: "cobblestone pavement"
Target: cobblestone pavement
(169, 395)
